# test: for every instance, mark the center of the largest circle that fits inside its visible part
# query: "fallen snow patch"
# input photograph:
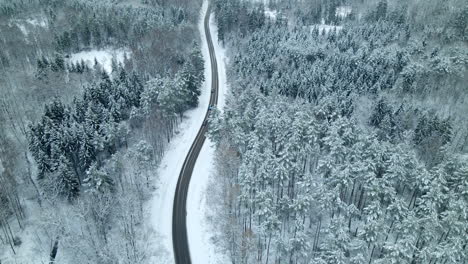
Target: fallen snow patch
(265, 2)
(23, 29)
(34, 242)
(325, 29)
(25, 25)
(464, 157)
(343, 11)
(103, 57)
(271, 14)
(38, 22)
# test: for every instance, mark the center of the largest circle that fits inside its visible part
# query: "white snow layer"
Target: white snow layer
(103, 57)
(161, 205)
(201, 232)
(271, 14)
(324, 28)
(38, 22)
(24, 24)
(23, 29)
(34, 243)
(343, 11)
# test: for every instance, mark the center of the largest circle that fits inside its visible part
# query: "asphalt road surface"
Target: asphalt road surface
(179, 213)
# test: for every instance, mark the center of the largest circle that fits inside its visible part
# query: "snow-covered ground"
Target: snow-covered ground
(271, 14)
(343, 11)
(161, 205)
(340, 12)
(324, 28)
(38, 22)
(25, 24)
(23, 29)
(203, 250)
(103, 57)
(34, 244)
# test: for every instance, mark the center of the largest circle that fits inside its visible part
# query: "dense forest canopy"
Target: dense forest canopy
(345, 137)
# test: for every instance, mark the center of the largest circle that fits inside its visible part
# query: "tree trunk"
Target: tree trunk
(317, 235)
(372, 253)
(268, 249)
(39, 199)
(53, 253)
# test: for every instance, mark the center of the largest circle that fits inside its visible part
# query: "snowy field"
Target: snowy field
(103, 57)
(161, 205)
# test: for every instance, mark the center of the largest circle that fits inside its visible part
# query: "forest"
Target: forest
(344, 138)
(80, 137)
(345, 135)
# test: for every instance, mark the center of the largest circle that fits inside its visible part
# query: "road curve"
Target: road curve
(179, 212)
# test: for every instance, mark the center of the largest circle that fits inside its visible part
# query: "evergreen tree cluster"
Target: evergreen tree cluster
(58, 64)
(314, 188)
(55, 65)
(103, 24)
(176, 94)
(333, 147)
(68, 140)
(237, 16)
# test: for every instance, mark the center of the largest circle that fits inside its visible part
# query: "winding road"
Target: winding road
(179, 213)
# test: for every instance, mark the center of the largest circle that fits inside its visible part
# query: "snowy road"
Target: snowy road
(179, 214)
(202, 249)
